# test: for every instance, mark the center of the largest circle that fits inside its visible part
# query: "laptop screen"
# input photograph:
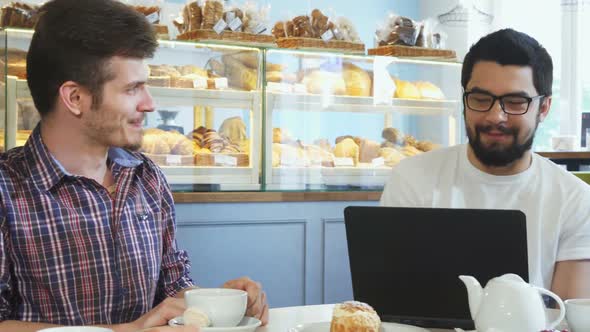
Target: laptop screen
(405, 262)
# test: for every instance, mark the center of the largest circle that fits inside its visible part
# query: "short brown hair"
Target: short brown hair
(74, 41)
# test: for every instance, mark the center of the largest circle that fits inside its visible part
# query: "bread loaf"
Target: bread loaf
(302, 27)
(193, 16)
(279, 30)
(239, 75)
(247, 58)
(153, 141)
(406, 90)
(391, 135)
(391, 155)
(358, 82)
(324, 82)
(212, 13)
(369, 150)
(347, 148)
(429, 91)
(234, 128)
(319, 23)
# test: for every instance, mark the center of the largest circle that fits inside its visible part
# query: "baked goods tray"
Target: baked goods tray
(228, 37)
(202, 159)
(321, 45)
(230, 178)
(350, 104)
(283, 177)
(355, 176)
(422, 53)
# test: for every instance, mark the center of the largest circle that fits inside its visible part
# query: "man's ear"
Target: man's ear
(73, 97)
(544, 108)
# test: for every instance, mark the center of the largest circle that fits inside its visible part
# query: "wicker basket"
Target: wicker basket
(414, 52)
(212, 159)
(242, 38)
(319, 44)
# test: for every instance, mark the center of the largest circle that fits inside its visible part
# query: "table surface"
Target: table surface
(282, 319)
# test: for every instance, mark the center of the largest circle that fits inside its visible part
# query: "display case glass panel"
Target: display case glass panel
(336, 121)
(21, 117)
(208, 111)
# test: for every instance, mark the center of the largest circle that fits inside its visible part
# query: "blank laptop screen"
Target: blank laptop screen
(405, 262)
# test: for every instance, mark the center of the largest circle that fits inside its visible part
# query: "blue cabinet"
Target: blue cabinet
(296, 250)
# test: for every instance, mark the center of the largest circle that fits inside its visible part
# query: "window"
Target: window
(541, 20)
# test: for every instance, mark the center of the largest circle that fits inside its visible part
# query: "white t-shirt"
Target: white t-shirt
(555, 202)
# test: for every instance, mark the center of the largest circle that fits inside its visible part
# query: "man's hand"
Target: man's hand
(173, 329)
(257, 305)
(156, 320)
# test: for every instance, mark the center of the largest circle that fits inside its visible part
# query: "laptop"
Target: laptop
(405, 262)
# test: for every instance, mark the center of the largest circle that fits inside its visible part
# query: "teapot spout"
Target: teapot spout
(474, 293)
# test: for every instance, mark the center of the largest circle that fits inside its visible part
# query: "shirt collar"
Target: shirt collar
(46, 171)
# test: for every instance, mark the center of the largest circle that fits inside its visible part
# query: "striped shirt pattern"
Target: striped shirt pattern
(71, 253)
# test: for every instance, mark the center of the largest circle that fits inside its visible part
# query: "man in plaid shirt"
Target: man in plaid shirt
(87, 224)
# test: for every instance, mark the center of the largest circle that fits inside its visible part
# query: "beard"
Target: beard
(132, 147)
(105, 131)
(497, 155)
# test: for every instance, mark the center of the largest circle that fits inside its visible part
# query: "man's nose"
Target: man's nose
(147, 102)
(496, 114)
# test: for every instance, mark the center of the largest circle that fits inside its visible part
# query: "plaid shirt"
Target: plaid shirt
(73, 255)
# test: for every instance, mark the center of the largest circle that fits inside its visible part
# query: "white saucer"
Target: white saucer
(385, 327)
(248, 324)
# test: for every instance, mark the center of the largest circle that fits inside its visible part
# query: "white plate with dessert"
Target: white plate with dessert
(354, 316)
(248, 324)
(385, 327)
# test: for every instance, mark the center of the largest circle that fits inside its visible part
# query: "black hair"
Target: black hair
(510, 47)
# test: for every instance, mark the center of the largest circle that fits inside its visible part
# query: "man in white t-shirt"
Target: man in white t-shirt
(507, 78)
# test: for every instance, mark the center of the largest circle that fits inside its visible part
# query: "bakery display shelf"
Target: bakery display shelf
(241, 177)
(315, 44)
(309, 102)
(294, 177)
(203, 97)
(355, 176)
(228, 37)
(414, 52)
(178, 96)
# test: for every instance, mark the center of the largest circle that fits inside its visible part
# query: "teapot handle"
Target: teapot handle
(554, 323)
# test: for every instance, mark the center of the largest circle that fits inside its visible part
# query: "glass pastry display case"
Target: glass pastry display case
(335, 121)
(243, 118)
(205, 132)
(206, 127)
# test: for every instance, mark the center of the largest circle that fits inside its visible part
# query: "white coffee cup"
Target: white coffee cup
(577, 314)
(76, 329)
(225, 307)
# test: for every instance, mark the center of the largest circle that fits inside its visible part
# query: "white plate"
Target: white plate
(385, 327)
(248, 324)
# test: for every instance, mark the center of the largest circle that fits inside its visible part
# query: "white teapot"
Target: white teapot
(509, 304)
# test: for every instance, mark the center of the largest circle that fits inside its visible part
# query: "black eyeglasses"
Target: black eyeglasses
(510, 104)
